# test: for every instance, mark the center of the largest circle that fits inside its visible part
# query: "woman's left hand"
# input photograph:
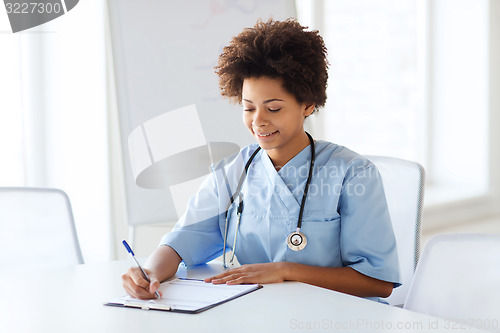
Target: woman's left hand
(253, 273)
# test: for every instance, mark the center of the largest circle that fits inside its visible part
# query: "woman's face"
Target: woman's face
(274, 117)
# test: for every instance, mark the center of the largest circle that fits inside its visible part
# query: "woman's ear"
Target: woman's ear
(309, 109)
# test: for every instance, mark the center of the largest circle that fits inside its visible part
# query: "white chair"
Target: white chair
(37, 229)
(458, 279)
(404, 190)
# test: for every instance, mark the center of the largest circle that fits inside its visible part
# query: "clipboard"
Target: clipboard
(187, 296)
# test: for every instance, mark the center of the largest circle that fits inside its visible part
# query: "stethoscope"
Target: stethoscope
(296, 240)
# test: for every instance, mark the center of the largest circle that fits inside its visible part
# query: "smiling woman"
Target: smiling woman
(278, 92)
(275, 118)
(304, 71)
(342, 241)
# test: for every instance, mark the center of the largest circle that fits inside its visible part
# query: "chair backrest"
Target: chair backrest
(36, 229)
(458, 279)
(404, 190)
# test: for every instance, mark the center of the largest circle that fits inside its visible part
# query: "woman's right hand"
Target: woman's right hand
(162, 265)
(137, 286)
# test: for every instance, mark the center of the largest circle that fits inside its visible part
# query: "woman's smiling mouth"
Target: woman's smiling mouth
(266, 135)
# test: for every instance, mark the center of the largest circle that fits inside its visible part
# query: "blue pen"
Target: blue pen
(138, 265)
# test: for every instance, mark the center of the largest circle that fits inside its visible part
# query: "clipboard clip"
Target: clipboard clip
(151, 305)
(142, 306)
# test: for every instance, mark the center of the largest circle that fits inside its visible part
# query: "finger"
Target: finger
(134, 290)
(219, 276)
(219, 279)
(136, 275)
(224, 279)
(239, 280)
(213, 278)
(154, 285)
(140, 293)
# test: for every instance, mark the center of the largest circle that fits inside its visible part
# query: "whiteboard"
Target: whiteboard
(164, 54)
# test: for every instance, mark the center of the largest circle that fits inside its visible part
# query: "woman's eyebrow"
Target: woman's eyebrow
(266, 101)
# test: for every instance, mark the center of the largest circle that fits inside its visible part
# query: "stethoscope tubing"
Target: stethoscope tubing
(308, 182)
(239, 195)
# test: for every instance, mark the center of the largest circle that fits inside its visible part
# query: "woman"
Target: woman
(313, 211)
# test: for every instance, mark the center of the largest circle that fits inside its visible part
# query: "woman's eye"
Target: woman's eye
(274, 110)
(248, 109)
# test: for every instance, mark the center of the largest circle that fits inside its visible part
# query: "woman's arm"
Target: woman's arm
(196, 236)
(161, 265)
(343, 279)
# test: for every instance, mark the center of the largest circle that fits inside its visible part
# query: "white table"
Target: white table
(71, 300)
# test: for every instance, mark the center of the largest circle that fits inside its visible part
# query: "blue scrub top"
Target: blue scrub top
(346, 219)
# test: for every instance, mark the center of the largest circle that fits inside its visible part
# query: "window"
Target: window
(11, 116)
(411, 79)
(53, 116)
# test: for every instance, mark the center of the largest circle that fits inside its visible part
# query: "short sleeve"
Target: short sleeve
(197, 237)
(367, 239)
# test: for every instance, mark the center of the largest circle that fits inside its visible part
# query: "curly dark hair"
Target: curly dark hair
(276, 49)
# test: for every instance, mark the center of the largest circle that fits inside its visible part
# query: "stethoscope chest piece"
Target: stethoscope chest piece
(296, 241)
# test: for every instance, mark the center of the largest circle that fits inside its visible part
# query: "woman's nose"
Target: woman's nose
(259, 118)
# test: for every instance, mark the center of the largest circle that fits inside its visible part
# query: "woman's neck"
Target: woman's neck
(281, 156)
